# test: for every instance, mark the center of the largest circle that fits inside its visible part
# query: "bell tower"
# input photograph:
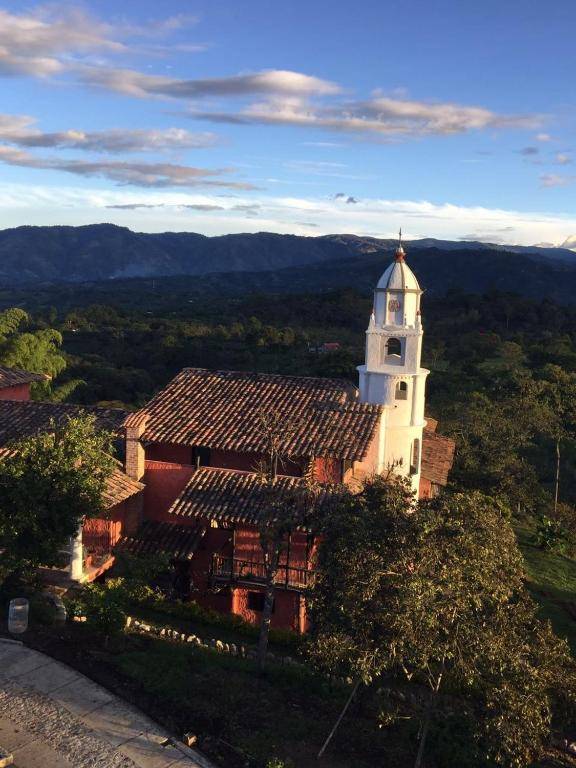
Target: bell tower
(392, 375)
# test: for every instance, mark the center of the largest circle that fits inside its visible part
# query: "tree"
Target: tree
(283, 510)
(37, 351)
(559, 395)
(48, 484)
(430, 597)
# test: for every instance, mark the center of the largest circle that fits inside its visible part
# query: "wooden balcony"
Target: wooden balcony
(233, 570)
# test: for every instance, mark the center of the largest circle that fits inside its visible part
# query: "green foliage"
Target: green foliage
(432, 594)
(47, 485)
(36, 351)
(192, 612)
(106, 606)
(550, 534)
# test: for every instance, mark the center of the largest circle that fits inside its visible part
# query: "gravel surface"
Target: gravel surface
(58, 728)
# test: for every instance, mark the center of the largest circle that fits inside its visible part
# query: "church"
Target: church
(189, 485)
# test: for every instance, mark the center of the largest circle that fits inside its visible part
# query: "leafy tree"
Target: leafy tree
(559, 394)
(428, 597)
(48, 483)
(282, 512)
(37, 351)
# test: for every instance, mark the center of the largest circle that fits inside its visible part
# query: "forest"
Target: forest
(502, 383)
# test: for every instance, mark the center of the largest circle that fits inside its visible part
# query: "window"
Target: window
(200, 456)
(415, 466)
(256, 601)
(393, 348)
(401, 390)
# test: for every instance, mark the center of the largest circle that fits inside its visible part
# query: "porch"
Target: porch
(233, 570)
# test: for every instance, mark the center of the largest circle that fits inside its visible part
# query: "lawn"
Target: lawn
(286, 715)
(552, 581)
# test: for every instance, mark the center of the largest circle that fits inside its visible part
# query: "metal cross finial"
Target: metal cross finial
(400, 238)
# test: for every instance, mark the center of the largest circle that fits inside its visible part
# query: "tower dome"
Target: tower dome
(398, 276)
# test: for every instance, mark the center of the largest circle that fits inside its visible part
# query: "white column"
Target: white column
(76, 556)
(415, 400)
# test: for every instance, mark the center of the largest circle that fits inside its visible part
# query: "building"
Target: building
(15, 384)
(93, 552)
(198, 443)
(189, 485)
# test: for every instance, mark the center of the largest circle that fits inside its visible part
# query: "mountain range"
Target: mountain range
(108, 252)
(107, 259)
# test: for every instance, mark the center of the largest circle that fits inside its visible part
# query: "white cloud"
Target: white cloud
(126, 173)
(273, 81)
(211, 213)
(556, 180)
(38, 43)
(385, 117)
(20, 131)
(54, 38)
(563, 159)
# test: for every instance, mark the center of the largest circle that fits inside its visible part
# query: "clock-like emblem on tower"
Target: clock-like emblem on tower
(394, 305)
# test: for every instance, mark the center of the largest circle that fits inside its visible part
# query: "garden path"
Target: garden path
(54, 717)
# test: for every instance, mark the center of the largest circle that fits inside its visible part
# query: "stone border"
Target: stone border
(232, 649)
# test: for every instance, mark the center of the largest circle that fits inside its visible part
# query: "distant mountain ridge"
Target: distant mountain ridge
(99, 252)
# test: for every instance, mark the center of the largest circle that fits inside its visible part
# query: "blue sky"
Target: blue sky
(452, 119)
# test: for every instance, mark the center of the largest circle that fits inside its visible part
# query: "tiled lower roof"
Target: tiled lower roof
(222, 410)
(120, 487)
(11, 377)
(23, 418)
(230, 496)
(179, 541)
(437, 457)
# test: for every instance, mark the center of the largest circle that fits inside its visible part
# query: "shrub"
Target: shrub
(550, 534)
(105, 606)
(191, 611)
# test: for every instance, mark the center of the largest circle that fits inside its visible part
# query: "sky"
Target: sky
(449, 119)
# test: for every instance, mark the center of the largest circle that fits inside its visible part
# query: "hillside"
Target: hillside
(439, 271)
(105, 251)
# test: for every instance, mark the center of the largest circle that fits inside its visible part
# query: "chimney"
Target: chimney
(135, 425)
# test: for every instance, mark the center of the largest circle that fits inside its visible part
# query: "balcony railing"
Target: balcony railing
(97, 543)
(233, 569)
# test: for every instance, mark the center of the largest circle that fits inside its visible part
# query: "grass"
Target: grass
(287, 714)
(552, 581)
(206, 624)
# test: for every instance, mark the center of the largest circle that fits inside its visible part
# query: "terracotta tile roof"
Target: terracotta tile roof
(229, 496)
(180, 541)
(219, 409)
(22, 418)
(10, 377)
(120, 487)
(431, 424)
(437, 457)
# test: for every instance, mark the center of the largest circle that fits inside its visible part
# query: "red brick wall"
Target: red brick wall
(247, 462)
(17, 392)
(425, 489)
(250, 462)
(247, 547)
(328, 470)
(164, 481)
(288, 613)
(96, 532)
(176, 454)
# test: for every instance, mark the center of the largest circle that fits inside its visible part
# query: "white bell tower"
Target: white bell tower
(391, 375)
